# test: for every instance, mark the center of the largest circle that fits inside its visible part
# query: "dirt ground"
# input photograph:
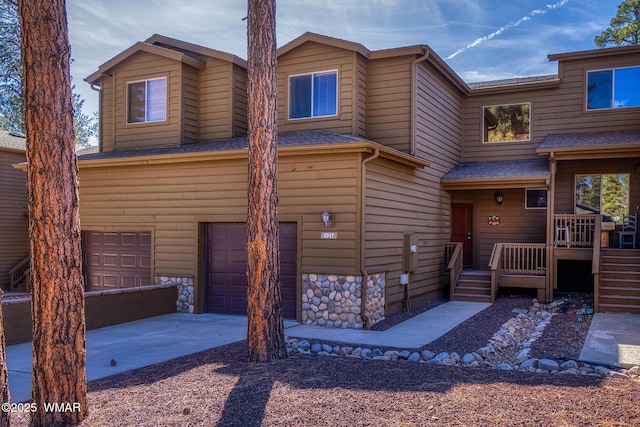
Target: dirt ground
(219, 388)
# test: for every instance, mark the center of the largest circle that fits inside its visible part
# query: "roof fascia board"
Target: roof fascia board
(598, 152)
(143, 47)
(494, 183)
(202, 50)
(521, 87)
(595, 53)
(326, 40)
(298, 150)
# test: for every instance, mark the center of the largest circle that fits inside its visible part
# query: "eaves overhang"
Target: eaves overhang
(302, 143)
(242, 153)
(105, 68)
(498, 174)
(600, 145)
(496, 183)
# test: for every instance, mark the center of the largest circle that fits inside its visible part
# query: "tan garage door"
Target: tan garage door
(226, 266)
(116, 259)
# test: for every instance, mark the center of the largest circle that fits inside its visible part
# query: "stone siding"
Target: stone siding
(332, 301)
(375, 299)
(185, 302)
(336, 301)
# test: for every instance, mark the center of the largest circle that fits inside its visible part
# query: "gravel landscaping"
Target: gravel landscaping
(219, 387)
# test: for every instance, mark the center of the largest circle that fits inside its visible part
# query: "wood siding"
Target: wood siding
(142, 66)
(14, 241)
(202, 105)
(403, 200)
(553, 111)
(313, 57)
(190, 105)
(171, 199)
(361, 97)
(389, 102)
(439, 109)
(239, 101)
(517, 224)
(217, 87)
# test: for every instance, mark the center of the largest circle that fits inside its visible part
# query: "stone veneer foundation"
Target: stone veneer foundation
(335, 301)
(185, 302)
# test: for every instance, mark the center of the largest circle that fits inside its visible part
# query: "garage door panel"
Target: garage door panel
(116, 260)
(110, 260)
(226, 258)
(109, 239)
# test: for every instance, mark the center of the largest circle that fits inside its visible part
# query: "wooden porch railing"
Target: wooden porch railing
(576, 231)
(524, 258)
(20, 274)
(453, 259)
(518, 259)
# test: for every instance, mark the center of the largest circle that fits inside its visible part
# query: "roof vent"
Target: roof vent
(17, 134)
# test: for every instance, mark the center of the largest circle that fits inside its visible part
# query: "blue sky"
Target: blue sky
(479, 39)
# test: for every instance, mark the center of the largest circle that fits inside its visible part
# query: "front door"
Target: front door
(461, 229)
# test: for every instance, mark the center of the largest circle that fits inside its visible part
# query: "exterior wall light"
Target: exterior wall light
(499, 197)
(327, 219)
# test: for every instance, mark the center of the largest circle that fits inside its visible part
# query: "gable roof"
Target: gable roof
(291, 143)
(167, 47)
(326, 40)
(497, 174)
(421, 52)
(592, 145)
(191, 49)
(12, 141)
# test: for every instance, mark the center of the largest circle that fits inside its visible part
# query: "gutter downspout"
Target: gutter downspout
(363, 198)
(414, 94)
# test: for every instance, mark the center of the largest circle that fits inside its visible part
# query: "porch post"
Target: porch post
(550, 281)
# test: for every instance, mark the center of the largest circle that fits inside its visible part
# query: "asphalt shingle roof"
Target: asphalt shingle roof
(499, 169)
(512, 82)
(586, 140)
(315, 137)
(12, 140)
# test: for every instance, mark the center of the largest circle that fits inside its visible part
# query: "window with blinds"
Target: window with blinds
(147, 101)
(313, 95)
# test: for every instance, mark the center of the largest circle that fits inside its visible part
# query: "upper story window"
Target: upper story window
(313, 95)
(614, 88)
(506, 123)
(147, 101)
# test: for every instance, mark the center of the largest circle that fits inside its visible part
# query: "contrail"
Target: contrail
(510, 25)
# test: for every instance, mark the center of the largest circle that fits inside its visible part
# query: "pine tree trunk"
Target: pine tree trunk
(265, 335)
(4, 374)
(59, 349)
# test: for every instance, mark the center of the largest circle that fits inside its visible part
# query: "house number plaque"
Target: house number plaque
(328, 235)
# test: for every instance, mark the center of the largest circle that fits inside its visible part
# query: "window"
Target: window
(603, 194)
(313, 95)
(536, 198)
(615, 88)
(506, 123)
(147, 101)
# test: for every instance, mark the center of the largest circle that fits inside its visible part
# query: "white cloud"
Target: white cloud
(508, 26)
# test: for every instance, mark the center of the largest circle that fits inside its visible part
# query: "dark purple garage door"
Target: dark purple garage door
(226, 268)
(116, 259)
